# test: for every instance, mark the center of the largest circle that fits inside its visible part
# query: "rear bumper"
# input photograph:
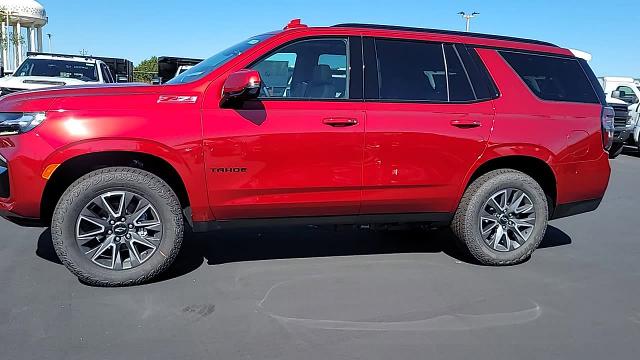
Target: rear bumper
(581, 185)
(621, 135)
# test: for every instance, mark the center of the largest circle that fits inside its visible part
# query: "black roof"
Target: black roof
(445, 32)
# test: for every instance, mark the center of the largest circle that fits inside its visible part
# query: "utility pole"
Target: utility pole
(50, 48)
(468, 17)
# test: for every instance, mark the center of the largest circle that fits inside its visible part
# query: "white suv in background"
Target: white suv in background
(627, 91)
(47, 70)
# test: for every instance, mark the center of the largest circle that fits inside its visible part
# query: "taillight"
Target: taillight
(608, 114)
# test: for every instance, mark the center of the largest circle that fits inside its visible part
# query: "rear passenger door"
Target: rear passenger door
(426, 124)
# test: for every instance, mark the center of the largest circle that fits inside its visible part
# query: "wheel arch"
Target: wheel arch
(538, 169)
(79, 165)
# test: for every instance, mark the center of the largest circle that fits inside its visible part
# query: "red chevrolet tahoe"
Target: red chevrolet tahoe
(352, 123)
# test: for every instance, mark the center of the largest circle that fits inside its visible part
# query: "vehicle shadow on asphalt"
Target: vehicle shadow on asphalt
(241, 245)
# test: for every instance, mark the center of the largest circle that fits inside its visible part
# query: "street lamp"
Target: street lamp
(49, 36)
(468, 17)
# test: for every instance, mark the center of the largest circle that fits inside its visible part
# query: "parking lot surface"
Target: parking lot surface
(321, 293)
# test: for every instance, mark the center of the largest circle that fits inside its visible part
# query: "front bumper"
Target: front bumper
(21, 183)
(621, 135)
(5, 190)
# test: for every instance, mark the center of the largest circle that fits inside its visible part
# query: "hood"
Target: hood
(84, 90)
(75, 97)
(611, 100)
(37, 82)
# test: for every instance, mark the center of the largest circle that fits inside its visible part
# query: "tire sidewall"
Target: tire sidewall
(82, 192)
(485, 191)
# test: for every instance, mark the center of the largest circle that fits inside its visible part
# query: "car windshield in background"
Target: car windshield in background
(206, 67)
(67, 69)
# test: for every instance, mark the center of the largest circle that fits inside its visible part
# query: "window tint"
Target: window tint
(552, 78)
(85, 71)
(459, 85)
(308, 69)
(411, 70)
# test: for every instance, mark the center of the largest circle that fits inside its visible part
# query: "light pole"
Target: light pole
(49, 36)
(468, 17)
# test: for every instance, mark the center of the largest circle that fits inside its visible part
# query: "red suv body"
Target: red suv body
(351, 123)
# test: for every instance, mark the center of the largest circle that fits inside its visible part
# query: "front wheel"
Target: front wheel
(502, 217)
(117, 226)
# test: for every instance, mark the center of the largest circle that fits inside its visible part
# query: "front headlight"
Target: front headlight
(19, 123)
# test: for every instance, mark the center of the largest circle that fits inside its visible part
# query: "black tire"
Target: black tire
(616, 150)
(88, 187)
(466, 226)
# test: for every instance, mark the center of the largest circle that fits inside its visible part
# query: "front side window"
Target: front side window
(307, 69)
(106, 74)
(411, 71)
(68, 69)
(552, 78)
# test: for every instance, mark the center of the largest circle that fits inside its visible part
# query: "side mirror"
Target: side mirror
(240, 86)
(616, 94)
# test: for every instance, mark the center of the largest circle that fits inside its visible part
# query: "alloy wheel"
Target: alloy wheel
(507, 220)
(118, 230)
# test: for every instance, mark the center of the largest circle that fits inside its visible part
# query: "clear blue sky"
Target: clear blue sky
(137, 29)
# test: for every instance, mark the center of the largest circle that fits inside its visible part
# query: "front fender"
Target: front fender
(186, 160)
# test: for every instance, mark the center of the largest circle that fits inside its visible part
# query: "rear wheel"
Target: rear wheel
(502, 217)
(117, 226)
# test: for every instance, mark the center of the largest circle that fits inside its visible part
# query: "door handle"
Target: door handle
(466, 124)
(340, 122)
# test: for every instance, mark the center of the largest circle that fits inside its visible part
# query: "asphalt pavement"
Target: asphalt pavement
(324, 293)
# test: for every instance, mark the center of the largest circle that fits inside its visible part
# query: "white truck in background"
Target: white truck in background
(625, 91)
(39, 71)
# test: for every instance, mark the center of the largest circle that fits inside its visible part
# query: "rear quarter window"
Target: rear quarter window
(552, 78)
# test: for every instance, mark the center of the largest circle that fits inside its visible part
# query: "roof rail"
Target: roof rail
(445, 32)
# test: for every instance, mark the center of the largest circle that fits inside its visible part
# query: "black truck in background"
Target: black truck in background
(169, 67)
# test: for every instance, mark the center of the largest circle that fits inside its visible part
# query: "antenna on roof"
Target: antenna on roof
(294, 24)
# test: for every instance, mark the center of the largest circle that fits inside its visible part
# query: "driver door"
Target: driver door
(298, 149)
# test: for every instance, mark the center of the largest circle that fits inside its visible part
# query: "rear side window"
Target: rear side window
(483, 84)
(459, 84)
(411, 70)
(552, 78)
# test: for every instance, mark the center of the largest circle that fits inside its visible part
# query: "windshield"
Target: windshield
(68, 69)
(206, 67)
